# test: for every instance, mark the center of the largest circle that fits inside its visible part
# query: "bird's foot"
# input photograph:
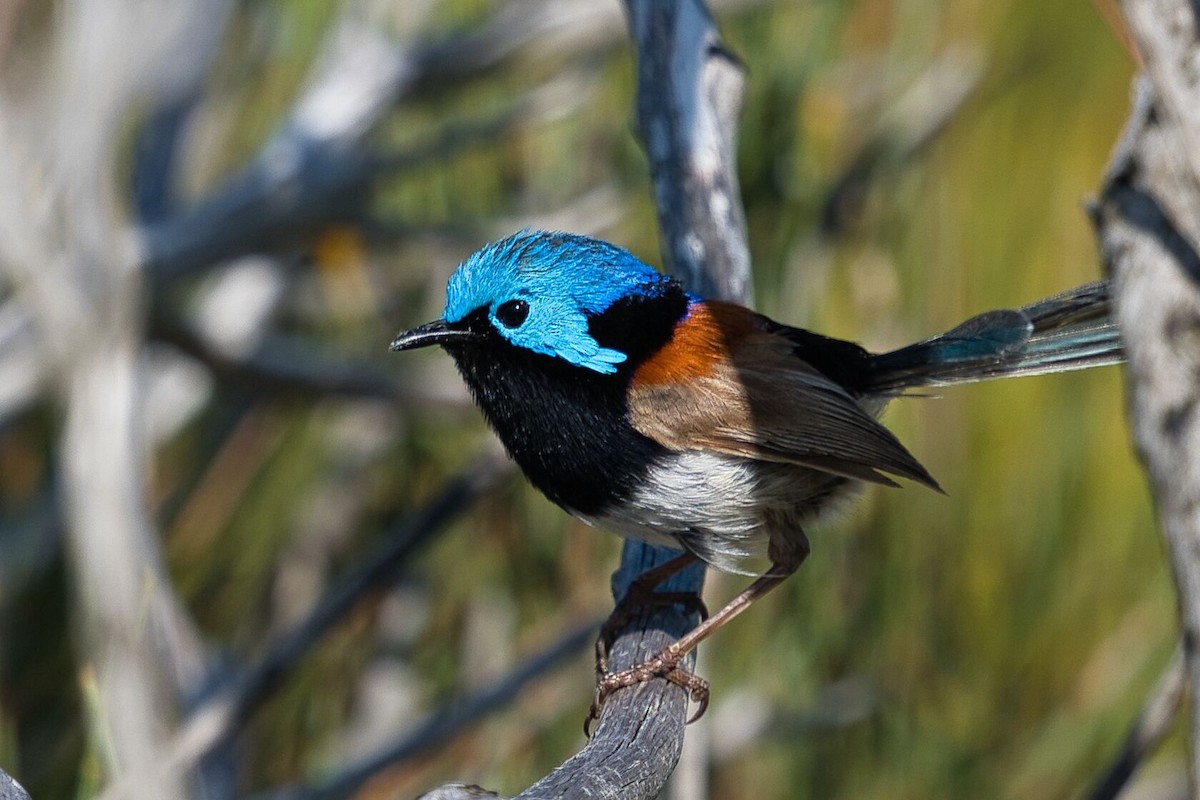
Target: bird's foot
(663, 665)
(638, 598)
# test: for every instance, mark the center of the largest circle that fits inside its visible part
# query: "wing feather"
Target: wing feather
(757, 399)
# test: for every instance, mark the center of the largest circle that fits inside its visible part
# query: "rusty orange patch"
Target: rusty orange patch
(701, 341)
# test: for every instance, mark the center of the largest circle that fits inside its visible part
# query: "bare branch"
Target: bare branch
(22, 368)
(281, 367)
(689, 95)
(1148, 223)
(1165, 33)
(548, 26)
(637, 742)
(317, 166)
(313, 169)
(689, 98)
(10, 789)
(457, 791)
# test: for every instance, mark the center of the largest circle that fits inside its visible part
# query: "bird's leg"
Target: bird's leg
(666, 663)
(640, 595)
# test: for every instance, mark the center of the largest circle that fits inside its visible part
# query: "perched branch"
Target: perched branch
(689, 95)
(636, 744)
(688, 99)
(1148, 223)
(10, 789)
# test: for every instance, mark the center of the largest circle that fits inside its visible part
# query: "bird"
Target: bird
(649, 411)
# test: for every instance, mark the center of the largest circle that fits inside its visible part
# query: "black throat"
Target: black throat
(567, 426)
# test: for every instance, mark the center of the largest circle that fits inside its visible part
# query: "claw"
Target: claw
(594, 712)
(593, 716)
(699, 711)
(638, 599)
(697, 689)
(666, 663)
(605, 686)
(663, 665)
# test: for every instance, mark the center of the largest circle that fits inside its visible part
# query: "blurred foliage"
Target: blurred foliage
(999, 638)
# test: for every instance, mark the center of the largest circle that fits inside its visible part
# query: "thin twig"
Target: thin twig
(1152, 725)
(280, 367)
(446, 722)
(923, 112)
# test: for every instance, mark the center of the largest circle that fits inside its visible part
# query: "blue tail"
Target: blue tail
(1072, 330)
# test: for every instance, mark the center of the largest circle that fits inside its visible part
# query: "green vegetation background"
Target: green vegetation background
(994, 642)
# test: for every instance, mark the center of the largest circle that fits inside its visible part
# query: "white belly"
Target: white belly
(725, 509)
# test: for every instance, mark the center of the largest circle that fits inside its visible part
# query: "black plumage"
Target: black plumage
(567, 426)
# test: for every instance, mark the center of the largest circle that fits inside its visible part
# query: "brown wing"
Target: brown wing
(726, 383)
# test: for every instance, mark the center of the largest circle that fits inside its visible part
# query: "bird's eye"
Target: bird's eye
(512, 313)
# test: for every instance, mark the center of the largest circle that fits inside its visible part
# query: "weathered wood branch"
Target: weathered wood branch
(689, 97)
(10, 789)
(636, 744)
(1148, 223)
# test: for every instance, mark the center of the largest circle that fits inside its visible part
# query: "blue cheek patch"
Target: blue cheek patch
(555, 329)
(601, 359)
(596, 358)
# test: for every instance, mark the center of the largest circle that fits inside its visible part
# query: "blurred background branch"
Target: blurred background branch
(73, 262)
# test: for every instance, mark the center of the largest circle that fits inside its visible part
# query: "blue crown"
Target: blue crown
(564, 278)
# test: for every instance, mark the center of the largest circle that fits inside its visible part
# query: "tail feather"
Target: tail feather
(1072, 330)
